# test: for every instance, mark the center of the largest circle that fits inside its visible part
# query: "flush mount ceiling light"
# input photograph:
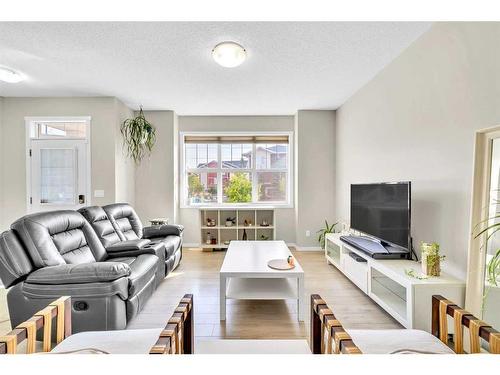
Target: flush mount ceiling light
(229, 54)
(10, 76)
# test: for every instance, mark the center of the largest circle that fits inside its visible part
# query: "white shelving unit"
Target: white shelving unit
(223, 233)
(407, 299)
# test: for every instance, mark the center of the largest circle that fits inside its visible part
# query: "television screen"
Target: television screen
(383, 211)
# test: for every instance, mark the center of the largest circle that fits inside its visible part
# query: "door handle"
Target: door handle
(81, 199)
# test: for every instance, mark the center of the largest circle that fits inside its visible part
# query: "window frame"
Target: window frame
(253, 171)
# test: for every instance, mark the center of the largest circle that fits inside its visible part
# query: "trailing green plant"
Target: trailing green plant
(493, 269)
(411, 272)
(492, 276)
(139, 136)
(324, 231)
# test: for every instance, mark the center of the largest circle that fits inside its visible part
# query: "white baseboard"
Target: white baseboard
(191, 244)
(308, 248)
(298, 248)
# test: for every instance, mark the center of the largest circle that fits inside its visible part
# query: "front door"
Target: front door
(58, 168)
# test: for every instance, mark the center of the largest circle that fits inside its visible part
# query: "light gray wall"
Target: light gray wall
(416, 121)
(189, 216)
(103, 111)
(315, 174)
(124, 166)
(2, 160)
(155, 179)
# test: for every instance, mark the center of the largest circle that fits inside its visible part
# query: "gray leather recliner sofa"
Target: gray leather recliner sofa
(129, 227)
(51, 254)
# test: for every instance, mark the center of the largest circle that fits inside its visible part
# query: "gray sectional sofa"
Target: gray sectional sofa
(100, 256)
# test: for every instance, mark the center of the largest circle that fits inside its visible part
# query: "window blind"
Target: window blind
(282, 139)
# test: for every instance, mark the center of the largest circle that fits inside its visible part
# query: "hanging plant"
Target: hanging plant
(139, 136)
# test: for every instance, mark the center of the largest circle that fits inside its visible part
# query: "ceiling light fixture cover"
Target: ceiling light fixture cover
(10, 76)
(229, 54)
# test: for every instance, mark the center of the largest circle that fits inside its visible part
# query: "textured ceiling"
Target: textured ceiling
(168, 65)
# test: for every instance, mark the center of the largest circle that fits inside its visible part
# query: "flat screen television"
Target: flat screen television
(382, 210)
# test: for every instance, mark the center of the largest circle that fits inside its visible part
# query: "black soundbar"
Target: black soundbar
(375, 249)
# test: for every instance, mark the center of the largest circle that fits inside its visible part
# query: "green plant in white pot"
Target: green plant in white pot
(139, 136)
(324, 231)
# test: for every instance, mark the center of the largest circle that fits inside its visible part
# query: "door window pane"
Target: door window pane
(271, 156)
(202, 187)
(271, 186)
(62, 129)
(236, 156)
(237, 187)
(57, 176)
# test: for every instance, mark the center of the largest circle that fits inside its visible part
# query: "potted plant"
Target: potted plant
(139, 136)
(324, 231)
(431, 259)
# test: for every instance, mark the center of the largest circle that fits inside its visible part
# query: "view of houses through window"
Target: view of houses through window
(236, 173)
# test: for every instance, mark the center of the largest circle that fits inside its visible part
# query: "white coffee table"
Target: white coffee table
(246, 275)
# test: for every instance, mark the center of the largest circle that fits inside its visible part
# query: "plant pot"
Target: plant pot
(431, 264)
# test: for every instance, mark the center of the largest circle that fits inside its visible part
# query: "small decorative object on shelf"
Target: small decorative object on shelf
(247, 223)
(264, 223)
(431, 260)
(291, 261)
(244, 238)
(214, 241)
(211, 222)
(411, 272)
(230, 221)
(227, 242)
(264, 238)
(159, 221)
(208, 241)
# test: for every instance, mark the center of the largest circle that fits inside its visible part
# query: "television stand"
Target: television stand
(375, 248)
(407, 299)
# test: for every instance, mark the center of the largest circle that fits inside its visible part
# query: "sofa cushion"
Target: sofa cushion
(128, 245)
(101, 224)
(59, 237)
(391, 341)
(171, 243)
(14, 262)
(80, 273)
(125, 221)
(142, 269)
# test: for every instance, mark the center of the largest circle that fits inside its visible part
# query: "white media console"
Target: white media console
(406, 298)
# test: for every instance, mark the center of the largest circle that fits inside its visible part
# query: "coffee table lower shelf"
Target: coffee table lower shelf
(265, 289)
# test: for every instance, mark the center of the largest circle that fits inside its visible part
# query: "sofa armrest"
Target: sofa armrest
(129, 245)
(79, 273)
(156, 231)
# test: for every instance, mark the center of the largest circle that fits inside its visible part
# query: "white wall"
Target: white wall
(315, 174)
(416, 121)
(103, 111)
(189, 216)
(155, 176)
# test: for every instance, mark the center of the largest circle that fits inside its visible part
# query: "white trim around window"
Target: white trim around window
(253, 171)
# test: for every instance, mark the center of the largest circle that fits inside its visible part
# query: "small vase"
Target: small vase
(431, 260)
(244, 238)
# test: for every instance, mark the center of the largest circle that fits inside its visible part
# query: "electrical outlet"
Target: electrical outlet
(308, 233)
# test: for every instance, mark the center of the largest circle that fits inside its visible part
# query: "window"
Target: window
(235, 169)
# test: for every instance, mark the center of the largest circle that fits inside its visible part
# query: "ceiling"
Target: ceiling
(168, 65)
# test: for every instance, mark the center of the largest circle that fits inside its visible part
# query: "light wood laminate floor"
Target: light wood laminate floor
(198, 274)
